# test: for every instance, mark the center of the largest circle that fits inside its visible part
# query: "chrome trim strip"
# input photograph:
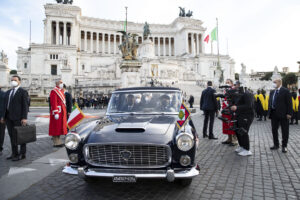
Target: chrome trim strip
(168, 148)
(92, 173)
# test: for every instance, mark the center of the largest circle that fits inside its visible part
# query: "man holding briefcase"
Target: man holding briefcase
(15, 114)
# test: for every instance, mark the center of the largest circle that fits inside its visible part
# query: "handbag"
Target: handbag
(25, 134)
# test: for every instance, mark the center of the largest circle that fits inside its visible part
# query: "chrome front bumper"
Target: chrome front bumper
(169, 174)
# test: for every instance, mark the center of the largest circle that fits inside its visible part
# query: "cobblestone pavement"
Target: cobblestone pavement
(38, 149)
(224, 175)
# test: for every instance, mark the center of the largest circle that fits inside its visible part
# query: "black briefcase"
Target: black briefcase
(25, 134)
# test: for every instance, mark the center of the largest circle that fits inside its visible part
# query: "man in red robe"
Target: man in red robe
(58, 114)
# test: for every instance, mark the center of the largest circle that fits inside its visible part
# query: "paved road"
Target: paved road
(224, 175)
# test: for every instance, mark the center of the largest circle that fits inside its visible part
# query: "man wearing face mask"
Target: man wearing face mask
(58, 114)
(15, 114)
(281, 110)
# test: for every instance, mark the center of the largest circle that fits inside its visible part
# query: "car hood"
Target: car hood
(154, 129)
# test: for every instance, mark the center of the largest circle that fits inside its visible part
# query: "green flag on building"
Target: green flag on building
(214, 34)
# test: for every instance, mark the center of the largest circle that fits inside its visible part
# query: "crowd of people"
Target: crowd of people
(239, 106)
(96, 102)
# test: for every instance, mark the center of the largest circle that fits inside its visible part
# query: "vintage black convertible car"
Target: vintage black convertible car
(138, 138)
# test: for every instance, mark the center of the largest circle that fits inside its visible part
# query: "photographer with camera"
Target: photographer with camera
(244, 110)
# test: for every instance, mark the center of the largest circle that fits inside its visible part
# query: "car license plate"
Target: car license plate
(124, 179)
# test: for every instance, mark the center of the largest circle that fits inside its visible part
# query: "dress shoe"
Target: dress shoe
(284, 150)
(231, 144)
(58, 145)
(274, 147)
(205, 135)
(15, 158)
(212, 138)
(226, 142)
(9, 157)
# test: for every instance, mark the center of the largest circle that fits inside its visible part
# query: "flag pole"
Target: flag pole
(211, 46)
(218, 43)
(126, 20)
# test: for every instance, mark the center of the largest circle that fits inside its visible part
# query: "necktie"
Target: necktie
(275, 99)
(10, 97)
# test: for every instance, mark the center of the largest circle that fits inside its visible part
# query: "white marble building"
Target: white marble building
(83, 52)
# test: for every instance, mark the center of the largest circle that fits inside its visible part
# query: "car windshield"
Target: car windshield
(146, 102)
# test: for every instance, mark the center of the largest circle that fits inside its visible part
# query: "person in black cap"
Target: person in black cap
(244, 110)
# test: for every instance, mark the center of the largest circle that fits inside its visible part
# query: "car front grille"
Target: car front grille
(128, 156)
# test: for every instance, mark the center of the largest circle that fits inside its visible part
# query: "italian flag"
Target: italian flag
(213, 35)
(75, 117)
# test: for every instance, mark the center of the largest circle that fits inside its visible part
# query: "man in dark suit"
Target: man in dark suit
(69, 103)
(281, 110)
(208, 103)
(2, 123)
(15, 114)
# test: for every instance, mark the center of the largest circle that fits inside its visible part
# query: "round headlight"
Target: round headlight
(72, 141)
(185, 141)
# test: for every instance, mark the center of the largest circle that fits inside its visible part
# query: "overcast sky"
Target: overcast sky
(260, 33)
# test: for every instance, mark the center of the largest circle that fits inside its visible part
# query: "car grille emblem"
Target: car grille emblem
(125, 155)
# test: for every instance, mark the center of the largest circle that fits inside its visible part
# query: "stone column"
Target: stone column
(108, 43)
(48, 32)
(97, 42)
(91, 41)
(164, 43)
(174, 47)
(115, 44)
(57, 32)
(198, 46)
(103, 43)
(170, 50)
(187, 43)
(158, 49)
(65, 34)
(193, 44)
(85, 40)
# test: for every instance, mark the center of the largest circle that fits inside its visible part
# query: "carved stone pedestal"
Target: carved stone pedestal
(130, 73)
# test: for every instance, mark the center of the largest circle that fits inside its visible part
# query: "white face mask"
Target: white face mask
(274, 85)
(61, 86)
(14, 83)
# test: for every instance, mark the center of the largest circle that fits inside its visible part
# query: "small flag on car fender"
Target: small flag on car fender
(75, 117)
(183, 116)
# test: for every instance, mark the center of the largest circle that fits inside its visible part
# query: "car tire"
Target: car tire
(185, 182)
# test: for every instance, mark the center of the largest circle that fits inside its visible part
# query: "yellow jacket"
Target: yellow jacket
(295, 104)
(264, 102)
